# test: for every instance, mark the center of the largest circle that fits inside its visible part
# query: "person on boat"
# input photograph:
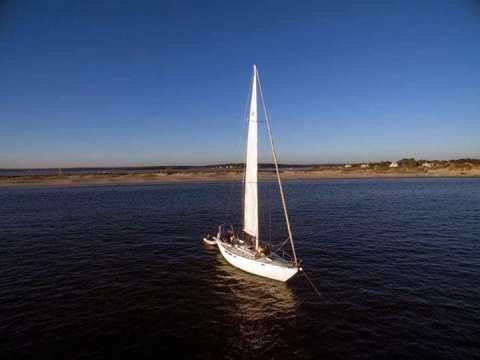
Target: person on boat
(262, 251)
(229, 236)
(226, 237)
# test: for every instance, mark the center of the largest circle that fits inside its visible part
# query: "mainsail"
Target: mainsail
(250, 218)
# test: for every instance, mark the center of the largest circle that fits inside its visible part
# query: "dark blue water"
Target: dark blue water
(119, 271)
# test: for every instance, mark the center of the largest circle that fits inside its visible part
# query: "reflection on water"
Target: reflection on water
(260, 308)
(263, 296)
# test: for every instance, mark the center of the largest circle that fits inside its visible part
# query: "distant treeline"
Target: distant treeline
(135, 169)
(411, 162)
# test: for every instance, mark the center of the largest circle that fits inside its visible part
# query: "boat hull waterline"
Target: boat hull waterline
(276, 269)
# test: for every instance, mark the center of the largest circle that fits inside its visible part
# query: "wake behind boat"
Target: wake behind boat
(244, 250)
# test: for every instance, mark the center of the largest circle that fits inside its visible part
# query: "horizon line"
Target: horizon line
(140, 166)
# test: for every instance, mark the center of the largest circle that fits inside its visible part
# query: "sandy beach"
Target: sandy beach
(219, 176)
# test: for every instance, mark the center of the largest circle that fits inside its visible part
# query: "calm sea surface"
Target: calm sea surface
(117, 271)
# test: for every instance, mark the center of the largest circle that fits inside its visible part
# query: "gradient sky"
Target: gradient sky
(166, 82)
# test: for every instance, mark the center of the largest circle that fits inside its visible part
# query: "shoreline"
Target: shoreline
(217, 176)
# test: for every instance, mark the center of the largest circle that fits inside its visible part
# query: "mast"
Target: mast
(250, 216)
(274, 154)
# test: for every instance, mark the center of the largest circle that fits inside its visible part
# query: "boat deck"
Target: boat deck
(245, 252)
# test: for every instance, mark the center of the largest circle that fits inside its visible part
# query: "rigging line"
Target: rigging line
(255, 83)
(281, 245)
(311, 283)
(232, 205)
(270, 203)
(277, 171)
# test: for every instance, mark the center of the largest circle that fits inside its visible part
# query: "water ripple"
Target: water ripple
(110, 271)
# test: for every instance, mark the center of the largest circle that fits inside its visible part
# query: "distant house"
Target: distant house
(427, 164)
(364, 166)
(348, 166)
(393, 165)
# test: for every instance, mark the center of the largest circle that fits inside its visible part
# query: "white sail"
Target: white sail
(250, 222)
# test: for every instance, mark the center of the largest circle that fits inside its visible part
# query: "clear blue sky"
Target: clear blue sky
(166, 82)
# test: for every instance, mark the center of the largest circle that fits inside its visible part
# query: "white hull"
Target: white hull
(270, 267)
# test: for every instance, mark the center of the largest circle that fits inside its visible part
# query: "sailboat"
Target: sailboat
(245, 251)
